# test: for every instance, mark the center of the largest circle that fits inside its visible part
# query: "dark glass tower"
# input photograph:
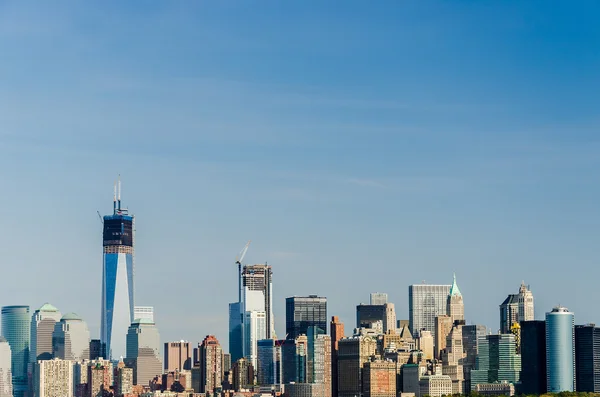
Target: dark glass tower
(587, 358)
(117, 278)
(302, 312)
(533, 357)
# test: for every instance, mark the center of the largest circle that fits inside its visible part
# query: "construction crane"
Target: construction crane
(238, 261)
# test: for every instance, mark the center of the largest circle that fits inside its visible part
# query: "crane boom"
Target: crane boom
(242, 253)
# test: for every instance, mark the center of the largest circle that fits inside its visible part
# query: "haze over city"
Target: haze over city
(361, 148)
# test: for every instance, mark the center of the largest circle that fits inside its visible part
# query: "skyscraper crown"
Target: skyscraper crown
(454, 291)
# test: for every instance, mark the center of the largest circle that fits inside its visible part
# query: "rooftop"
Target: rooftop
(47, 308)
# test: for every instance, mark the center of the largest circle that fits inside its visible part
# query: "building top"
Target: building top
(561, 309)
(142, 321)
(454, 291)
(47, 308)
(71, 317)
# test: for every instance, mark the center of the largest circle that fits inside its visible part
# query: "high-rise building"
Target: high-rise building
(367, 315)
(378, 298)
(226, 362)
(117, 278)
(353, 354)
(123, 380)
(143, 312)
(516, 308)
(533, 357)
(178, 356)
(143, 351)
(211, 364)
(426, 344)
(560, 350)
(254, 326)
(16, 329)
(336, 330)
(302, 312)
(379, 379)
(587, 356)
(243, 374)
(471, 335)
(100, 377)
(266, 368)
(257, 282)
(304, 390)
(97, 349)
(294, 356)
(456, 306)
(497, 360)
(425, 303)
(236, 336)
(54, 378)
(71, 338)
(318, 366)
(443, 326)
(453, 358)
(435, 385)
(42, 326)
(6, 388)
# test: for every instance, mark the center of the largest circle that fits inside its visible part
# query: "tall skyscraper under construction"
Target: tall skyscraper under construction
(117, 278)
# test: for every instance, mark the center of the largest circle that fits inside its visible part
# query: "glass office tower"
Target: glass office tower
(302, 312)
(117, 278)
(560, 350)
(587, 358)
(15, 329)
(425, 303)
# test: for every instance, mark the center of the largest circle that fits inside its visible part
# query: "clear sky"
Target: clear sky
(361, 146)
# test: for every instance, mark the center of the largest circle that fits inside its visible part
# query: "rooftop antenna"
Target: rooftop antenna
(119, 194)
(115, 198)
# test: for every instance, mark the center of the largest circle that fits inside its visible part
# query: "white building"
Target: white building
(71, 338)
(143, 351)
(6, 388)
(435, 385)
(255, 329)
(42, 326)
(54, 378)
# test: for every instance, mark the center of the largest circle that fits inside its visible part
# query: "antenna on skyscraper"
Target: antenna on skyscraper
(119, 193)
(115, 198)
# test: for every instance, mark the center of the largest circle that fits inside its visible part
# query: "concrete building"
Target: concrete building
(54, 378)
(97, 349)
(587, 358)
(426, 344)
(411, 376)
(42, 326)
(211, 364)
(533, 357)
(143, 312)
(123, 380)
(353, 354)
(455, 305)
(304, 390)
(379, 379)
(367, 315)
(177, 356)
(435, 385)
(516, 308)
(443, 326)
(117, 278)
(6, 387)
(243, 374)
(560, 350)
(71, 338)
(302, 312)
(336, 330)
(378, 298)
(495, 389)
(471, 335)
(254, 326)
(16, 327)
(453, 358)
(143, 351)
(497, 361)
(100, 377)
(319, 359)
(425, 303)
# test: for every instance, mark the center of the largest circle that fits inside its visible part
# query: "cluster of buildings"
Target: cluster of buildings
(434, 352)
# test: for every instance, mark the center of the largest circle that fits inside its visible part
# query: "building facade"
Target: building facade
(71, 338)
(560, 350)
(302, 312)
(143, 312)
(455, 306)
(378, 298)
(336, 331)
(6, 388)
(54, 378)
(497, 360)
(379, 379)
(516, 308)
(587, 358)
(178, 356)
(266, 363)
(16, 330)
(425, 303)
(367, 315)
(319, 359)
(42, 326)
(443, 326)
(533, 357)
(211, 364)
(143, 351)
(236, 336)
(117, 278)
(435, 385)
(100, 377)
(353, 354)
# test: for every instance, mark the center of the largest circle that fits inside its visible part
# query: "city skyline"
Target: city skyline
(405, 142)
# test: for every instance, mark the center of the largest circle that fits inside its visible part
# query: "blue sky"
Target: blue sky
(361, 146)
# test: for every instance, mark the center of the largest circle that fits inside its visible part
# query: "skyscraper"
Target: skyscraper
(443, 326)
(367, 315)
(516, 308)
(425, 303)
(337, 333)
(533, 356)
(42, 326)
(254, 330)
(378, 298)
(455, 306)
(178, 356)
(302, 312)
(471, 335)
(54, 378)
(117, 278)
(143, 351)
(497, 360)
(236, 336)
(6, 388)
(560, 350)
(266, 368)
(453, 358)
(16, 329)
(71, 338)
(257, 282)
(319, 359)
(353, 354)
(211, 364)
(379, 379)
(146, 312)
(587, 356)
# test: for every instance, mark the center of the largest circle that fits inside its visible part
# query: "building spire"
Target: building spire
(454, 291)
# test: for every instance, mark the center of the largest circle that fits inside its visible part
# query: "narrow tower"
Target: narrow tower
(117, 277)
(456, 306)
